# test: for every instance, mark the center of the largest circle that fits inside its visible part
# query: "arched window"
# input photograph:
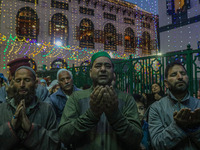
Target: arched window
(59, 29)
(146, 43)
(110, 37)
(180, 6)
(129, 40)
(86, 34)
(58, 63)
(27, 25)
(177, 6)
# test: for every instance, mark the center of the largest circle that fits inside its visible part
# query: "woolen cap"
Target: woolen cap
(28, 68)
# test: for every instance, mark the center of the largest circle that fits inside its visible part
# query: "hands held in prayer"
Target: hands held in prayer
(185, 118)
(20, 118)
(195, 117)
(103, 99)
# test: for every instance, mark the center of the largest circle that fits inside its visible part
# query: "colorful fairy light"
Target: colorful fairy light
(44, 49)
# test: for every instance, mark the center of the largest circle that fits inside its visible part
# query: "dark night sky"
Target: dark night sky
(144, 4)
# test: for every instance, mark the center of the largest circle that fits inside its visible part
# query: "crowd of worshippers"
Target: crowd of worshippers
(40, 114)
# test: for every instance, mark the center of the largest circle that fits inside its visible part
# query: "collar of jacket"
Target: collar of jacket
(171, 96)
(29, 109)
(60, 92)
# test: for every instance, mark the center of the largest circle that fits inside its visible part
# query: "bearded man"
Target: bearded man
(6, 92)
(27, 123)
(174, 121)
(101, 117)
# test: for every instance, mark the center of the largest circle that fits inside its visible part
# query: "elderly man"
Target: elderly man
(27, 123)
(59, 98)
(7, 91)
(174, 121)
(101, 117)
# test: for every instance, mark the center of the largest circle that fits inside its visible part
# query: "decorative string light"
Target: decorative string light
(43, 49)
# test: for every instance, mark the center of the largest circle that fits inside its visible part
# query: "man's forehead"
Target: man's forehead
(177, 67)
(64, 74)
(22, 71)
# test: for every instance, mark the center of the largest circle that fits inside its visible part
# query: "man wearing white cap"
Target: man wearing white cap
(59, 99)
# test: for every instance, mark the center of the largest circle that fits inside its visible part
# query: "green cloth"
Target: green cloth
(99, 54)
(79, 126)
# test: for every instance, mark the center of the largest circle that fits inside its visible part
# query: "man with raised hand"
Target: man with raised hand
(26, 122)
(101, 118)
(6, 92)
(174, 121)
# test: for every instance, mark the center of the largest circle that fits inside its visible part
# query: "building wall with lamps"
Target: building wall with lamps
(34, 28)
(179, 22)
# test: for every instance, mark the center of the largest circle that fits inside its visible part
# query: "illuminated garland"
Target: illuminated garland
(14, 46)
(45, 53)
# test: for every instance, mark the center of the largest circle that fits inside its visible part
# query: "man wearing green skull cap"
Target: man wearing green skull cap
(101, 118)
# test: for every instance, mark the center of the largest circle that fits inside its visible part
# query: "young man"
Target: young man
(59, 98)
(174, 121)
(101, 117)
(25, 122)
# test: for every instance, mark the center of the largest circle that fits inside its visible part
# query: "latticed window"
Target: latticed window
(27, 24)
(129, 40)
(177, 6)
(180, 6)
(110, 37)
(61, 4)
(31, 1)
(86, 33)
(146, 43)
(59, 29)
(59, 63)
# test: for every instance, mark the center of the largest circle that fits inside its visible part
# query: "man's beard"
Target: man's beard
(178, 90)
(29, 97)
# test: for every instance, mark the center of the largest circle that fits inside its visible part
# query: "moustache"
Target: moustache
(66, 85)
(22, 89)
(180, 82)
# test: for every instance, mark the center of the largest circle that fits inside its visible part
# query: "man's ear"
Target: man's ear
(166, 83)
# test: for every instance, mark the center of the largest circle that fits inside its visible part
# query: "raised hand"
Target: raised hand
(25, 123)
(195, 118)
(109, 100)
(16, 120)
(182, 118)
(96, 100)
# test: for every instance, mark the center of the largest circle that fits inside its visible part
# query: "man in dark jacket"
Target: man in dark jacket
(67, 87)
(101, 118)
(27, 123)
